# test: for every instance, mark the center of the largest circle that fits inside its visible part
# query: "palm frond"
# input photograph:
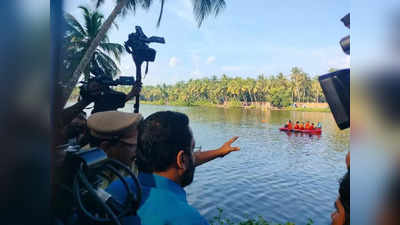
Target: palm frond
(161, 12)
(116, 25)
(130, 6)
(99, 3)
(78, 39)
(84, 9)
(146, 3)
(73, 23)
(107, 63)
(203, 8)
(114, 48)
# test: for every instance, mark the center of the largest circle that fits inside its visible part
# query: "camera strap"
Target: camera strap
(147, 67)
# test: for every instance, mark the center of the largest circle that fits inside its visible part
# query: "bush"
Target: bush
(280, 97)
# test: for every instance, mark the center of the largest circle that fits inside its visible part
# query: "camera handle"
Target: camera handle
(138, 63)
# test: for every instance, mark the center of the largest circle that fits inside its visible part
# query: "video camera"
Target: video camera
(107, 81)
(137, 45)
(104, 97)
(336, 86)
(82, 195)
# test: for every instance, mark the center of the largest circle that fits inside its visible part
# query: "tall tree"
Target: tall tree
(78, 38)
(201, 9)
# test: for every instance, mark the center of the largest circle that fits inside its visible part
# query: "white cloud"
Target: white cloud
(173, 61)
(210, 59)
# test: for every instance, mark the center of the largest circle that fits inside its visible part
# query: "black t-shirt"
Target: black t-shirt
(111, 100)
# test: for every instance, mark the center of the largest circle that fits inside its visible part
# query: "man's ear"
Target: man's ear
(180, 160)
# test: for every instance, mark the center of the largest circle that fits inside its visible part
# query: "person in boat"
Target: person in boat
(297, 126)
(289, 125)
(319, 126)
(307, 126)
(301, 127)
(311, 126)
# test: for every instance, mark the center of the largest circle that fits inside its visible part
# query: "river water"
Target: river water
(277, 176)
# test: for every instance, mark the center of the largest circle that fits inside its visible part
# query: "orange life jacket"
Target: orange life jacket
(301, 127)
(296, 126)
(307, 126)
(311, 127)
(289, 126)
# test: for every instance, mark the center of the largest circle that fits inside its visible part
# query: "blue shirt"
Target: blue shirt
(163, 202)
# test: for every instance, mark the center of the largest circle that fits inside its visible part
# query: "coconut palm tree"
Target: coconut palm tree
(201, 9)
(77, 40)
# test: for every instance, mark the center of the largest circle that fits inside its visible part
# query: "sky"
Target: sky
(266, 37)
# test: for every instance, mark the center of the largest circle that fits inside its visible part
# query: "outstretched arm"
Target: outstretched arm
(68, 114)
(226, 148)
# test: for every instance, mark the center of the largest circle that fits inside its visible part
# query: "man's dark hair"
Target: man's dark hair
(161, 136)
(344, 193)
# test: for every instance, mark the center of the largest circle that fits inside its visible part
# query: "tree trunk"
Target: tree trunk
(254, 97)
(93, 45)
(251, 97)
(292, 95)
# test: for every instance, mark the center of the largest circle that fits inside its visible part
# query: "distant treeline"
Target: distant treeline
(280, 90)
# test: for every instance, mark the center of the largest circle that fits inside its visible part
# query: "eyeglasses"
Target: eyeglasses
(197, 148)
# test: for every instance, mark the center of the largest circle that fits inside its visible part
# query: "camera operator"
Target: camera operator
(107, 99)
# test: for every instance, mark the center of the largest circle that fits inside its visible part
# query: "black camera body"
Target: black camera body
(336, 88)
(122, 80)
(137, 45)
(107, 81)
(106, 98)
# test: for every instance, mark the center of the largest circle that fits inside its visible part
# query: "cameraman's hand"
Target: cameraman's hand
(137, 88)
(135, 91)
(226, 148)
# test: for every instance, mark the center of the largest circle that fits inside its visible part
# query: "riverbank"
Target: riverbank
(264, 106)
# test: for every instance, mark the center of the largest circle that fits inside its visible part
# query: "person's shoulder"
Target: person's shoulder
(170, 211)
